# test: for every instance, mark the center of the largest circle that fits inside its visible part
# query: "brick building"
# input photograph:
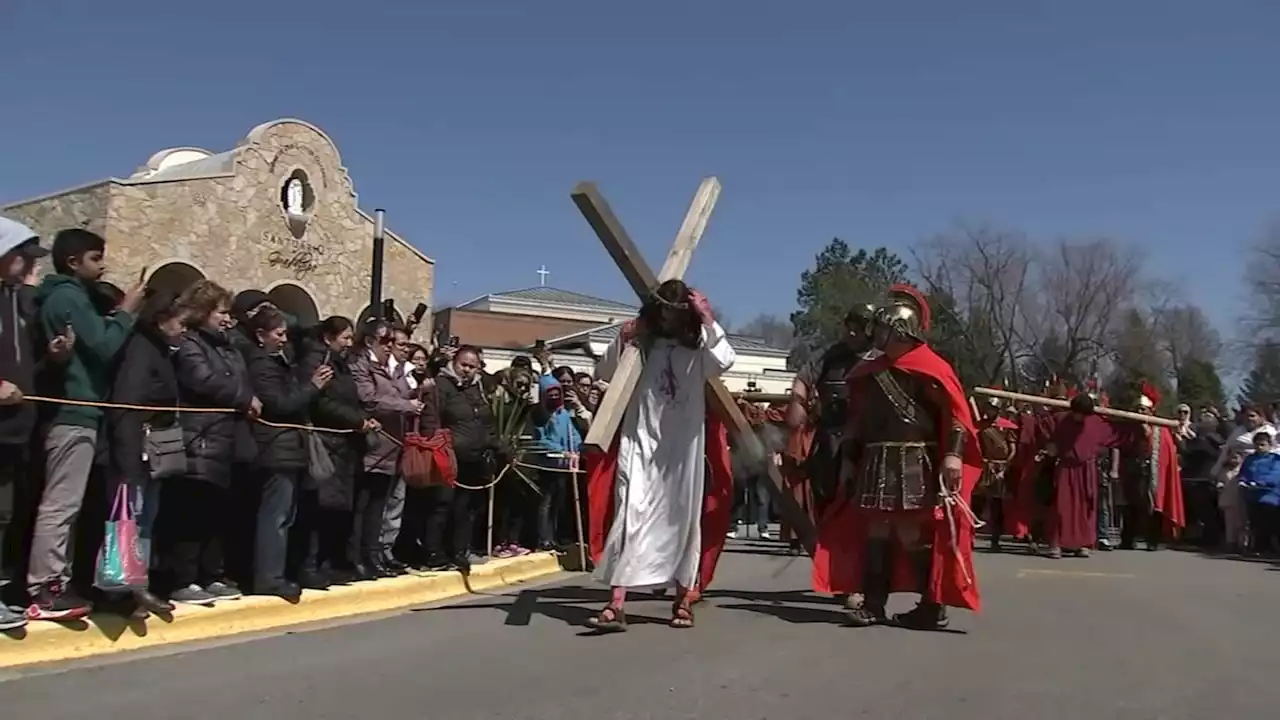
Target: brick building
(578, 328)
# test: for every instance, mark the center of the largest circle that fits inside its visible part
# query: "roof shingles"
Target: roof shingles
(564, 297)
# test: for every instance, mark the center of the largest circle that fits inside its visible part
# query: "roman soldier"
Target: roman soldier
(819, 405)
(901, 522)
(997, 437)
(1108, 476)
(1151, 483)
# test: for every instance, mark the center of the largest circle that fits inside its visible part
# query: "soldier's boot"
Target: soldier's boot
(877, 571)
(926, 615)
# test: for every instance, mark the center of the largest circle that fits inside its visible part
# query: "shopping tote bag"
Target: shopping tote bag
(122, 565)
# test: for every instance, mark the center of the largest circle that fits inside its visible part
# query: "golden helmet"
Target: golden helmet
(906, 312)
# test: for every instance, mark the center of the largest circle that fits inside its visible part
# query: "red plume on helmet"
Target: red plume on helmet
(1150, 396)
(926, 314)
(1072, 391)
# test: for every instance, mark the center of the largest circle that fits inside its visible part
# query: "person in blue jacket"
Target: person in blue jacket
(1260, 478)
(557, 431)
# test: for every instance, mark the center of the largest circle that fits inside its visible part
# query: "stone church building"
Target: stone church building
(278, 213)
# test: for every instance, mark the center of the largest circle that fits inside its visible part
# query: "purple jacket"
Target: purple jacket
(388, 399)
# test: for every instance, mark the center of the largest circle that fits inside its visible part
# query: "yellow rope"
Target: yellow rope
(178, 410)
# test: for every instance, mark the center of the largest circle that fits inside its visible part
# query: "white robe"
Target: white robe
(655, 537)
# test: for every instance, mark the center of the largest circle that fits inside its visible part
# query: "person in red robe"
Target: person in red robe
(902, 521)
(1079, 438)
(1151, 483)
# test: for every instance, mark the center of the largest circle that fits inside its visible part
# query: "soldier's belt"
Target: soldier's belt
(899, 444)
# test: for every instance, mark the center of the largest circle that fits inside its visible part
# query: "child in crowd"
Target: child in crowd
(1260, 475)
(1230, 504)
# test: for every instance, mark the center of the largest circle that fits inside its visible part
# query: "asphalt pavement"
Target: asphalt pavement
(1130, 635)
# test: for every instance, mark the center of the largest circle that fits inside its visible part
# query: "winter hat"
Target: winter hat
(246, 301)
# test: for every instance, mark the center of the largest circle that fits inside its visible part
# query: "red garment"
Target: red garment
(837, 562)
(1021, 476)
(1168, 497)
(1080, 441)
(795, 476)
(717, 508)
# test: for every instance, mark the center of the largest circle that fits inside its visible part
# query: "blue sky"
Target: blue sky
(1152, 121)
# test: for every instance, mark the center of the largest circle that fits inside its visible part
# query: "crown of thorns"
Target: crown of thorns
(663, 301)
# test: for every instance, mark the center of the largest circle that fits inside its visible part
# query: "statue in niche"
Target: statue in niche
(294, 195)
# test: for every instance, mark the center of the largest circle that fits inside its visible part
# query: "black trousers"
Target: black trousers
(90, 530)
(191, 530)
(513, 505)
(318, 536)
(13, 483)
(567, 527)
(372, 489)
(1140, 523)
(550, 507)
(411, 543)
(1264, 527)
(277, 511)
(452, 511)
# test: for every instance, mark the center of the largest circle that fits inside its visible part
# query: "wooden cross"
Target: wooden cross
(613, 406)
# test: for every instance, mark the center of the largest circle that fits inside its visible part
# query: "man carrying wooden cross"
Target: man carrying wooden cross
(902, 521)
(646, 495)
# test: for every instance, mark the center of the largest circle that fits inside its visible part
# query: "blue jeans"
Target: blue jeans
(144, 503)
(1104, 508)
(277, 509)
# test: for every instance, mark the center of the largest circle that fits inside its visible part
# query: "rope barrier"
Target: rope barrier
(269, 423)
(180, 410)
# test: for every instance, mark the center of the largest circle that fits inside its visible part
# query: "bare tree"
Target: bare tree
(1184, 335)
(1262, 276)
(985, 272)
(1084, 288)
(775, 331)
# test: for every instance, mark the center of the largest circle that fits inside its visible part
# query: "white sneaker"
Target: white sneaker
(767, 535)
(732, 534)
(11, 620)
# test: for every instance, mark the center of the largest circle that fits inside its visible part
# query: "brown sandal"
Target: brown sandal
(609, 620)
(681, 615)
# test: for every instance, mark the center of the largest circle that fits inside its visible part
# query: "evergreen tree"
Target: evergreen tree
(839, 279)
(1138, 360)
(1262, 386)
(1199, 385)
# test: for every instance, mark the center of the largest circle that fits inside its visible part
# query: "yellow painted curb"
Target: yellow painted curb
(103, 634)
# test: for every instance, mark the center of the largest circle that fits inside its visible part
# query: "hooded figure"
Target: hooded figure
(17, 361)
(554, 429)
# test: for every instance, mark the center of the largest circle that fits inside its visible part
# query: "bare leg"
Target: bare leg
(613, 618)
(681, 612)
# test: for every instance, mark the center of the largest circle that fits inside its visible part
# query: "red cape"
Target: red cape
(837, 562)
(717, 508)
(1168, 496)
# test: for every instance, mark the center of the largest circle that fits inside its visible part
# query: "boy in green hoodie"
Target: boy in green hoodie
(65, 301)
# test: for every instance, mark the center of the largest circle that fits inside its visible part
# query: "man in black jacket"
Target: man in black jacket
(19, 249)
(464, 411)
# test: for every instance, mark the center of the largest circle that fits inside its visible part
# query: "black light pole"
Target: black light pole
(379, 245)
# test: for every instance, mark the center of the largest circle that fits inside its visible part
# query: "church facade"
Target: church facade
(277, 213)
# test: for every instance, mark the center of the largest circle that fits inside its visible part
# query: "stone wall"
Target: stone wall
(85, 207)
(234, 229)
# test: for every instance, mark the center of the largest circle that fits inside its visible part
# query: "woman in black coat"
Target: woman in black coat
(280, 470)
(337, 407)
(144, 376)
(211, 374)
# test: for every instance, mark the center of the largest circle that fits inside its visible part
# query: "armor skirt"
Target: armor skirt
(896, 476)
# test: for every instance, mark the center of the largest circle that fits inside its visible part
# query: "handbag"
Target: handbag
(164, 451)
(122, 561)
(429, 460)
(319, 462)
